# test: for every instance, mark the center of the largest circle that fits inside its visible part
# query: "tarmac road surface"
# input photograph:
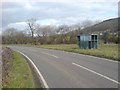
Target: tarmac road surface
(69, 70)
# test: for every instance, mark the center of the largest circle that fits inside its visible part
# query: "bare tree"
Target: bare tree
(62, 31)
(10, 32)
(32, 26)
(44, 33)
(45, 30)
(38, 30)
(13, 36)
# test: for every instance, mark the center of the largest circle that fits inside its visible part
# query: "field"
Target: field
(109, 51)
(19, 74)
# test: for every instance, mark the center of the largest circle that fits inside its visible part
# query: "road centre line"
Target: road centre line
(97, 73)
(40, 75)
(50, 54)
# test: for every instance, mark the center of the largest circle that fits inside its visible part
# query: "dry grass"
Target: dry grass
(109, 51)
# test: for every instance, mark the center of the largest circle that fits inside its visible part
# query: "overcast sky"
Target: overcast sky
(55, 12)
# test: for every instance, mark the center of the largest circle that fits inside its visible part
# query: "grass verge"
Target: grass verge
(109, 51)
(19, 74)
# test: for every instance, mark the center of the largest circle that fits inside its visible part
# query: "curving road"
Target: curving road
(69, 70)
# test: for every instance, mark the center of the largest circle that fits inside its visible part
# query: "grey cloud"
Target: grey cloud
(8, 5)
(16, 12)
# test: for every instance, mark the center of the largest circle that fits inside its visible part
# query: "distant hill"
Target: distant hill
(110, 25)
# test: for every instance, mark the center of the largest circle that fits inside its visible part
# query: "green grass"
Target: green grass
(20, 75)
(109, 51)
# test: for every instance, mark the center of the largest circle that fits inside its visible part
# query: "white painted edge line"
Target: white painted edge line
(50, 54)
(40, 75)
(97, 73)
(95, 57)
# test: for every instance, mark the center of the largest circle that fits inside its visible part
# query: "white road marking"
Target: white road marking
(96, 73)
(50, 54)
(95, 57)
(102, 58)
(40, 75)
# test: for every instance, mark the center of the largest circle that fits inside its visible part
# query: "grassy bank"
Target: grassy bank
(19, 74)
(109, 51)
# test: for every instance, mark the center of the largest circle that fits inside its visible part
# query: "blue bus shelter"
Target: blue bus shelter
(88, 41)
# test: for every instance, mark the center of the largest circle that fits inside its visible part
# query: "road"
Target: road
(69, 70)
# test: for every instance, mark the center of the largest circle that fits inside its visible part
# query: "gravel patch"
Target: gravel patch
(6, 54)
(0, 67)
